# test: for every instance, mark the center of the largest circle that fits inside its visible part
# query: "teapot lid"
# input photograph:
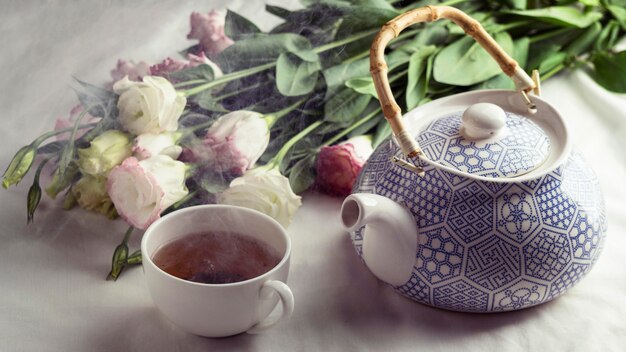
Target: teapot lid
(485, 140)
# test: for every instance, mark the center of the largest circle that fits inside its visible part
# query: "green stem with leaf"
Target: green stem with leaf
(278, 158)
(254, 70)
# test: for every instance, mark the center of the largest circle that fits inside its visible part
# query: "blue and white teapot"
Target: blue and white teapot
(479, 202)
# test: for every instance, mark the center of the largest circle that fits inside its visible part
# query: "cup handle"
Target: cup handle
(286, 297)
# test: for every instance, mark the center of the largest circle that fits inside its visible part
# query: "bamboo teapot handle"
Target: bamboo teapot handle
(391, 29)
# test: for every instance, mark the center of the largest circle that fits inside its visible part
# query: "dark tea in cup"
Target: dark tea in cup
(216, 257)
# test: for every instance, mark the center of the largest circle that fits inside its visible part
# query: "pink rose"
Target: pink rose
(142, 190)
(135, 72)
(170, 65)
(339, 165)
(233, 143)
(209, 30)
(63, 123)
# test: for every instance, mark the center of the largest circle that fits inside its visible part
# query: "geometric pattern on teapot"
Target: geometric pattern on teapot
(521, 150)
(488, 247)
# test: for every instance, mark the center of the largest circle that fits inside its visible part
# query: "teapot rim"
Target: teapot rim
(547, 117)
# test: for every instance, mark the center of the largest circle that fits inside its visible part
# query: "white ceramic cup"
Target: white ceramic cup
(218, 310)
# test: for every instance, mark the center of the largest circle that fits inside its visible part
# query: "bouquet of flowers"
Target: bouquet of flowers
(253, 119)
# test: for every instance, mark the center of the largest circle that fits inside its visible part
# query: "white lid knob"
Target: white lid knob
(482, 121)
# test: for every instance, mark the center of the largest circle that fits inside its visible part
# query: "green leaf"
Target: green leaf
(278, 11)
(581, 43)
(418, 76)
(103, 102)
(19, 166)
(517, 4)
(261, 49)
(302, 174)
(363, 85)
(51, 148)
(204, 72)
(294, 75)
(365, 127)
(432, 34)
(610, 70)
(619, 13)
(551, 62)
(377, 4)
(345, 107)
(590, 2)
(238, 27)
(337, 75)
(360, 18)
(465, 62)
(565, 16)
(319, 23)
(502, 81)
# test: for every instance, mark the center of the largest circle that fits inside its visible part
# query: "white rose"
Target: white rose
(235, 142)
(266, 191)
(141, 190)
(105, 151)
(149, 144)
(151, 106)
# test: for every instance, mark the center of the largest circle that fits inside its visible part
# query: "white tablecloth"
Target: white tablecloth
(54, 296)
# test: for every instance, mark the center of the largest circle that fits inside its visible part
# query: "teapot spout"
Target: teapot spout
(389, 238)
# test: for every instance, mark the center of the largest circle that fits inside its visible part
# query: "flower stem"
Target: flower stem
(227, 78)
(231, 94)
(188, 83)
(47, 135)
(552, 72)
(278, 158)
(345, 40)
(127, 234)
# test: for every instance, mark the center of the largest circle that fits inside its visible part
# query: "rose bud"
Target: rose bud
(148, 144)
(339, 165)
(266, 191)
(151, 106)
(234, 142)
(91, 194)
(105, 152)
(209, 30)
(141, 190)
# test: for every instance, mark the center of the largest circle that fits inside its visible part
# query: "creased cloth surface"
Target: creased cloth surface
(54, 296)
